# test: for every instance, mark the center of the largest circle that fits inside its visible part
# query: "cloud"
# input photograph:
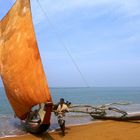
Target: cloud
(57, 8)
(131, 7)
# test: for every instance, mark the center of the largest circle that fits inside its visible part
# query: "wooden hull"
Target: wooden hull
(118, 118)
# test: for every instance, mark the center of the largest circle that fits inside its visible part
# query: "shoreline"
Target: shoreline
(102, 130)
(51, 131)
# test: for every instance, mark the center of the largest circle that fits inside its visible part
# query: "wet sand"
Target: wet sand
(107, 130)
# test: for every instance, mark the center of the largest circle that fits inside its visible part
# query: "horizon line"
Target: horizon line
(91, 87)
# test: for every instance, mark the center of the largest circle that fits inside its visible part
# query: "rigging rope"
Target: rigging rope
(11, 2)
(63, 44)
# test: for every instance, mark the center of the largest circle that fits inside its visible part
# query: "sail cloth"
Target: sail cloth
(21, 67)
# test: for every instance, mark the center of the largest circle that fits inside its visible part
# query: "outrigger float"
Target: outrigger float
(124, 117)
(106, 112)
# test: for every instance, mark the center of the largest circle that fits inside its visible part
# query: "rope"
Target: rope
(63, 44)
(11, 2)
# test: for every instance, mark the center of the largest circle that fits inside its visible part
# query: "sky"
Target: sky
(99, 39)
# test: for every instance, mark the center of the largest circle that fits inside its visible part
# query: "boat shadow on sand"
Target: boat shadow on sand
(45, 136)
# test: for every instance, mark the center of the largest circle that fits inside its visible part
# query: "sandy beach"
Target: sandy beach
(106, 130)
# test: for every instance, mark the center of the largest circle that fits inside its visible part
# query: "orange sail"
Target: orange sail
(20, 63)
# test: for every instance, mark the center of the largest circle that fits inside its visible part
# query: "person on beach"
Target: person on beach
(62, 108)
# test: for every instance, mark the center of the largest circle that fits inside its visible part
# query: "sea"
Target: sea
(128, 99)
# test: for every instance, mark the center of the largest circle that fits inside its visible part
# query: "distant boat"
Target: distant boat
(20, 63)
